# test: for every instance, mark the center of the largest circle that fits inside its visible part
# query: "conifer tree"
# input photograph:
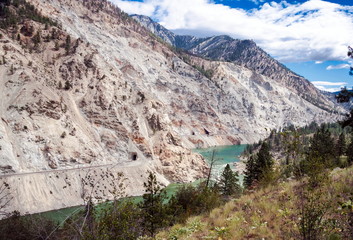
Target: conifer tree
(259, 167)
(264, 163)
(341, 147)
(153, 211)
(350, 152)
(67, 44)
(229, 182)
(321, 147)
(250, 173)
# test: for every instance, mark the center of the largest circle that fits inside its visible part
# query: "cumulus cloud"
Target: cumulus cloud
(315, 30)
(339, 66)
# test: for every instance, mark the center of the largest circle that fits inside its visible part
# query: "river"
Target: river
(224, 155)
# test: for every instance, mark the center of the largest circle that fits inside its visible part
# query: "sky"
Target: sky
(309, 36)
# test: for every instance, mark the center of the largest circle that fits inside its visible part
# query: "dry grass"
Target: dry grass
(269, 213)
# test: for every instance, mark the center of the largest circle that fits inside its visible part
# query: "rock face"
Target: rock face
(241, 52)
(101, 95)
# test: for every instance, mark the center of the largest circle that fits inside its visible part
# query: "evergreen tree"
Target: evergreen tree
(321, 147)
(264, 163)
(348, 121)
(153, 210)
(229, 182)
(68, 85)
(67, 44)
(259, 168)
(341, 146)
(344, 95)
(350, 152)
(250, 173)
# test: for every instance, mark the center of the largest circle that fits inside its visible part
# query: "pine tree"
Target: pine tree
(260, 167)
(250, 172)
(264, 163)
(341, 147)
(153, 211)
(67, 44)
(348, 121)
(229, 182)
(68, 85)
(350, 152)
(321, 147)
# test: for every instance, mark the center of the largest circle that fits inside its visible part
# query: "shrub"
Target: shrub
(121, 221)
(190, 200)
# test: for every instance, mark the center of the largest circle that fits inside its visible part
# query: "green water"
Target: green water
(60, 215)
(224, 155)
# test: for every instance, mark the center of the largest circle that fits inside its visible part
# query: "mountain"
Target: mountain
(88, 93)
(241, 52)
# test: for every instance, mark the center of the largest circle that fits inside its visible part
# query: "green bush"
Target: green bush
(190, 200)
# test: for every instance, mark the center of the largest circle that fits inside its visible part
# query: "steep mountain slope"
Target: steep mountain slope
(242, 52)
(101, 95)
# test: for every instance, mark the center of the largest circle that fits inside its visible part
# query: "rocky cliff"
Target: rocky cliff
(91, 93)
(241, 52)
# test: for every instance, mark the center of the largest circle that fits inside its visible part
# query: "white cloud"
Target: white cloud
(329, 86)
(312, 31)
(136, 7)
(323, 83)
(318, 62)
(329, 89)
(339, 66)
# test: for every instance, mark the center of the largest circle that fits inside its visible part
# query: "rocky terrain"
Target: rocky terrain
(97, 94)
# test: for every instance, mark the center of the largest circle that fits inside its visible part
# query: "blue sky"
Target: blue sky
(310, 37)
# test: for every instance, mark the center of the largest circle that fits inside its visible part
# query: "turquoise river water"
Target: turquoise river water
(224, 155)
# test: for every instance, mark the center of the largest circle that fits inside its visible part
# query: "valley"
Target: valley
(94, 93)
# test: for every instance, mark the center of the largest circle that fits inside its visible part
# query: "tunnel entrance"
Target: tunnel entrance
(133, 156)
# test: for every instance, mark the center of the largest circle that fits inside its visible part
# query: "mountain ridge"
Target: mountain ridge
(242, 52)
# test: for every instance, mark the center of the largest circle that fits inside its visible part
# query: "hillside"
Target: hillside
(96, 94)
(278, 212)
